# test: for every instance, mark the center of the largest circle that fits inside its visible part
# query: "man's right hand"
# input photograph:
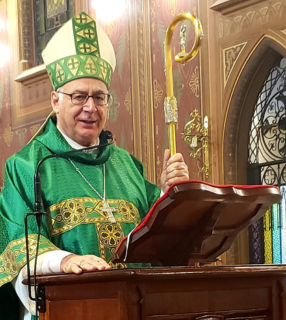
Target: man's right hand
(74, 263)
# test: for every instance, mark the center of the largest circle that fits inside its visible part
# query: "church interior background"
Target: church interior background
(237, 80)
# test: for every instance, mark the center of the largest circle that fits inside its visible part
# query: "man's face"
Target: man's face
(81, 123)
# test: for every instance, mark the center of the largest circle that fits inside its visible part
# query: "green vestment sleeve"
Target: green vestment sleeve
(16, 200)
(75, 219)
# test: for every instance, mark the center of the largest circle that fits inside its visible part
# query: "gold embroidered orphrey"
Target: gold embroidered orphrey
(76, 211)
(70, 213)
(14, 256)
(105, 206)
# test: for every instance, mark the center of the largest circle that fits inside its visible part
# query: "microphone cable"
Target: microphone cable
(38, 213)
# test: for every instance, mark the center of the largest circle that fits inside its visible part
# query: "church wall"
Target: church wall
(17, 125)
(9, 140)
(143, 63)
(138, 87)
(186, 79)
(242, 41)
(246, 38)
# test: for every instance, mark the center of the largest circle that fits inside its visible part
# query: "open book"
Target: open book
(195, 221)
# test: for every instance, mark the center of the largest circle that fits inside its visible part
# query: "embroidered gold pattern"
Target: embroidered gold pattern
(68, 214)
(117, 265)
(128, 211)
(76, 211)
(9, 262)
(110, 234)
(72, 213)
(14, 256)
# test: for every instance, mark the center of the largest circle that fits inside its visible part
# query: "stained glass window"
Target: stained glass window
(49, 16)
(283, 224)
(267, 165)
(276, 236)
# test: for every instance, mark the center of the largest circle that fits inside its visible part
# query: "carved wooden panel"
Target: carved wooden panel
(245, 39)
(230, 56)
(227, 6)
(204, 293)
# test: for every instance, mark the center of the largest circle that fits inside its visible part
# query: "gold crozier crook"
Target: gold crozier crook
(170, 103)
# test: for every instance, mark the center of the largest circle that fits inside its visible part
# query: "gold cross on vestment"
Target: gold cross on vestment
(109, 210)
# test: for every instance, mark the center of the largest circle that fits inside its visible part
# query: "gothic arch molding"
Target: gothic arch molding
(244, 86)
(240, 97)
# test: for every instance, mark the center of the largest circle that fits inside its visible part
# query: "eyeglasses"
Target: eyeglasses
(99, 99)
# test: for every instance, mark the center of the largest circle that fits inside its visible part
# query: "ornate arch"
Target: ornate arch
(241, 93)
(244, 84)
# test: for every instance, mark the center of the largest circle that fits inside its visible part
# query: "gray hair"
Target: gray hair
(61, 96)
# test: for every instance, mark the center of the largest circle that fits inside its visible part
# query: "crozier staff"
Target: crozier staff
(95, 199)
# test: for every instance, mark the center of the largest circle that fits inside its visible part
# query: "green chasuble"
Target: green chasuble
(76, 220)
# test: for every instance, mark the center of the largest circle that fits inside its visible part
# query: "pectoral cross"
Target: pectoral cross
(109, 211)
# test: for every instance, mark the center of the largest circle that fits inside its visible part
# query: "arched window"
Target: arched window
(267, 165)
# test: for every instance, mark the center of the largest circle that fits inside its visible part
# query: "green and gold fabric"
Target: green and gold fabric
(79, 49)
(75, 220)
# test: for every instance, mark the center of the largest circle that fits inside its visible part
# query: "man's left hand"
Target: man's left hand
(174, 170)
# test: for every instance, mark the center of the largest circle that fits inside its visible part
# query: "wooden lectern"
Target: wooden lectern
(187, 293)
(195, 221)
(192, 222)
